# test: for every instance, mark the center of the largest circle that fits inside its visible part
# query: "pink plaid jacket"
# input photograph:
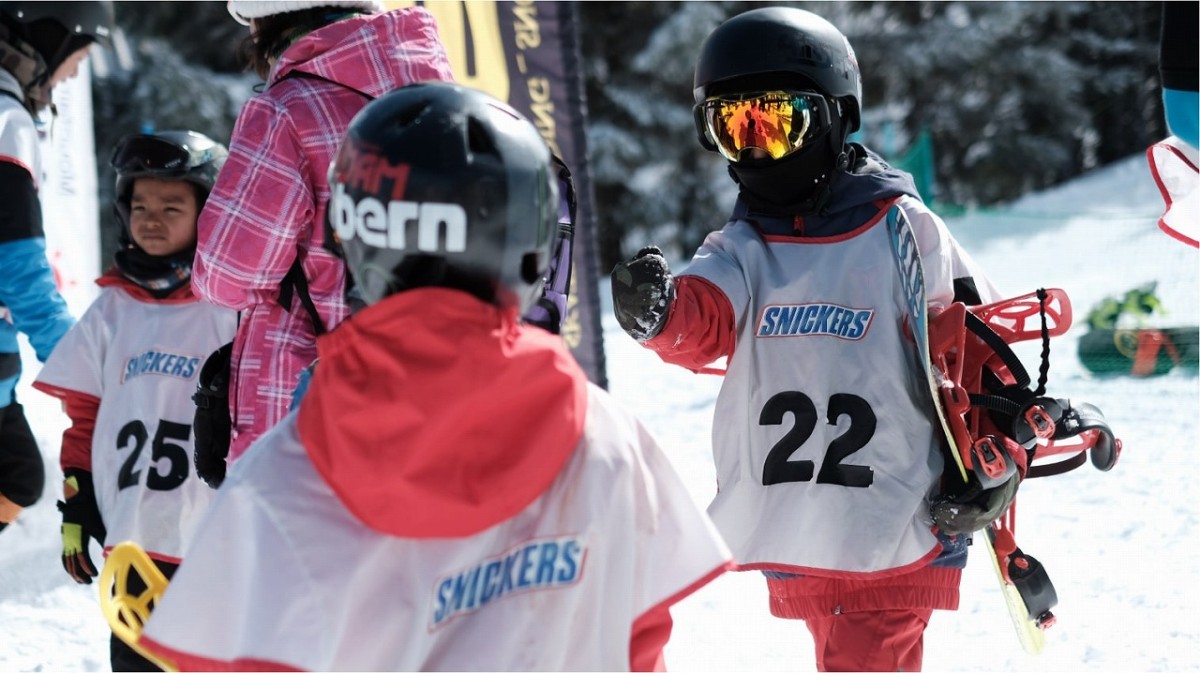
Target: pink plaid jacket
(268, 205)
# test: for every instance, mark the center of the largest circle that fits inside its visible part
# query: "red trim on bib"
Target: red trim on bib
(1162, 187)
(843, 574)
(187, 661)
(652, 628)
(21, 164)
(114, 278)
(884, 207)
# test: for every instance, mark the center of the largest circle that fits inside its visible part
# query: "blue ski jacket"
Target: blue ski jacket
(29, 299)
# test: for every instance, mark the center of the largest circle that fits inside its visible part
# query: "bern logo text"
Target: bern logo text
(441, 227)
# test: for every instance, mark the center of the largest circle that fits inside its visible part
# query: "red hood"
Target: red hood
(371, 54)
(432, 414)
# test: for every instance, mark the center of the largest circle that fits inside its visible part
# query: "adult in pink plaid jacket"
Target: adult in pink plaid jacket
(326, 59)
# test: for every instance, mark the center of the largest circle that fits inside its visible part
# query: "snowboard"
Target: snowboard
(1028, 622)
(125, 612)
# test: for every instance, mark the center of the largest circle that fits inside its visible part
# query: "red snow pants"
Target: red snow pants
(886, 640)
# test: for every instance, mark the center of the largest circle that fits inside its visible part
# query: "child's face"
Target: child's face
(162, 215)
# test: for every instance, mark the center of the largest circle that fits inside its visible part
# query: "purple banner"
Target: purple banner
(527, 53)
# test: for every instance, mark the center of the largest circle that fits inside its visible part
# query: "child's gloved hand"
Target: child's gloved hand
(974, 508)
(212, 423)
(81, 522)
(643, 291)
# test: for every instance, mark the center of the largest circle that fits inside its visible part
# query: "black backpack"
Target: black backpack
(213, 422)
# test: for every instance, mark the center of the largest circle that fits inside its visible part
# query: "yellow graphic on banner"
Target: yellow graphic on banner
(473, 33)
(470, 32)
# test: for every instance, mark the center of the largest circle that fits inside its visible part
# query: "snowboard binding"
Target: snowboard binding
(1027, 575)
(1000, 426)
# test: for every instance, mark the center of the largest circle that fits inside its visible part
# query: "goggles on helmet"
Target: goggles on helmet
(154, 155)
(776, 122)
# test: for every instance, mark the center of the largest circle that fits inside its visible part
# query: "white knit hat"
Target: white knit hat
(244, 10)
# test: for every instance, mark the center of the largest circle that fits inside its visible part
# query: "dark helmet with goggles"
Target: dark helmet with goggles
(168, 155)
(788, 71)
(439, 185)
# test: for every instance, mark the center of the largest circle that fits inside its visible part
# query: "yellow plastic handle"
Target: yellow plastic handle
(126, 613)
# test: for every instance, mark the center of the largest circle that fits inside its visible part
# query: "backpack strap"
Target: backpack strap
(551, 308)
(296, 282)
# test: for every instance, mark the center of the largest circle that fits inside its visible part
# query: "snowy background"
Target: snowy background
(1119, 546)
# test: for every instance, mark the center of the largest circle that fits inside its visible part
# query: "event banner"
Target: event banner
(67, 191)
(527, 53)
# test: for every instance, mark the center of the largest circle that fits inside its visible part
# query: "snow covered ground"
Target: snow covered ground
(1119, 546)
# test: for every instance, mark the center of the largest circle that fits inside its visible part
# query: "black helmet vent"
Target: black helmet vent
(479, 139)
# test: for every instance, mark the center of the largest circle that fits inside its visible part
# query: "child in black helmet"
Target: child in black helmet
(497, 510)
(127, 370)
(41, 45)
(826, 449)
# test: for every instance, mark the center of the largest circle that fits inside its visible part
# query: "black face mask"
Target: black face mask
(796, 184)
(161, 275)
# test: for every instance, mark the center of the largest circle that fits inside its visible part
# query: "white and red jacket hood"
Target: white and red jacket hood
(417, 404)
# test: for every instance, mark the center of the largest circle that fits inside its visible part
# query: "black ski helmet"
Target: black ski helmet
(779, 40)
(169, 155)
(436, 184)
(90, 20)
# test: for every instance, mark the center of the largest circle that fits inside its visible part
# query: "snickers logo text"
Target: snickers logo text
(164, 364)
(796, 320)
(534, 565)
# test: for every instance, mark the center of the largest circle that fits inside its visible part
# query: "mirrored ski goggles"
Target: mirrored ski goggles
(150, 154)
(776, 122)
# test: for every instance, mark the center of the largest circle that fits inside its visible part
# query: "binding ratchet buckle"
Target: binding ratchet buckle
(1025, 573)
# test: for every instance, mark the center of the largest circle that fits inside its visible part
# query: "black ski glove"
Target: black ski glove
(643, 291)
(973, 508)
(212, 423)
(81, 522)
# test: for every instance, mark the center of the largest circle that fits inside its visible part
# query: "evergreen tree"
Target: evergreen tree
(652, 181)
(1017, 96)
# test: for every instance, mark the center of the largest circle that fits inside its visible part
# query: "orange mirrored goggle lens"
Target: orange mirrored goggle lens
(776, 122)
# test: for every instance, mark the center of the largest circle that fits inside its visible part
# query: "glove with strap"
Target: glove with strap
(81, 523)
(973, 508)
(998, 465)
(643, 291)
